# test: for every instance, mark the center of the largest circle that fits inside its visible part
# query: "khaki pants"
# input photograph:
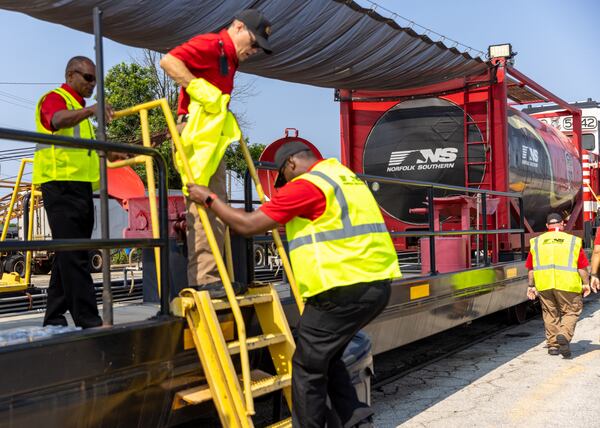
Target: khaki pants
(560, 311)
(202, 268)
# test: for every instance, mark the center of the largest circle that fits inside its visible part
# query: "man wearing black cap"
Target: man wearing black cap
(214, 57)
(557, 267)
(343, 261)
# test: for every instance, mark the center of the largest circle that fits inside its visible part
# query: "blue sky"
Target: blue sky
(558, 45)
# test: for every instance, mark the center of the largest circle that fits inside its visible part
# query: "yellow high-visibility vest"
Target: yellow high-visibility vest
(555, 256)
(52, 163)
(210, 129)
(348, 243)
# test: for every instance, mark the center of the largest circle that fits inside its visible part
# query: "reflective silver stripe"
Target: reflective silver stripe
(347, 230)
(556, 267)
(536, 250)
(332, 235)
(571, 248)
(339, 195)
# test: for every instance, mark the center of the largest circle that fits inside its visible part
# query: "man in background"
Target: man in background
(558, 275)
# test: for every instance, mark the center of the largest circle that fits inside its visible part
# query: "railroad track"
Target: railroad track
(34, 299)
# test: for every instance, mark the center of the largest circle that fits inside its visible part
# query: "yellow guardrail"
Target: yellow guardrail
(287, 267)
(142, 109)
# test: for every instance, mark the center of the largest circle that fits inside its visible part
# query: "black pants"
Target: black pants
(329, 322)
(70, 211)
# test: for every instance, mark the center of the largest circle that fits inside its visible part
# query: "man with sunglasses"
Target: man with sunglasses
(66, 176)
(214, 57)
(343, 261)
(558, 276)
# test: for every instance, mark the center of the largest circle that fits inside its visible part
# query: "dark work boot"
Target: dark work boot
(217, 291)
(563, 346)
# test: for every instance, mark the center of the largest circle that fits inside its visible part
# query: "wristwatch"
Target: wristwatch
(595, 275)
(531, 286)
(210, 199)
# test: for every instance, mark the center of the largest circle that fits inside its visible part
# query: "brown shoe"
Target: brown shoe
(563, 346)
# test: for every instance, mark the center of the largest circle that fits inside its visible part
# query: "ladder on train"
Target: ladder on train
(476, 129)
(232, 393)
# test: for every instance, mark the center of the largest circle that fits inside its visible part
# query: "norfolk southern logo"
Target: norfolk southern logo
(529, 156)
(426, 159)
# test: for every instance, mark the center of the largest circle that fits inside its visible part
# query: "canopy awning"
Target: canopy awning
(327, 43)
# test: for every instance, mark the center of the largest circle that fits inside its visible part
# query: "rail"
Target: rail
(431, 232)
(161, 242)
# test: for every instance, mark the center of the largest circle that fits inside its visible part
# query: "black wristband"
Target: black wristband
(595, 275)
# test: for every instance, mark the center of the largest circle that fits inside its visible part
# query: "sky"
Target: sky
(558, 45)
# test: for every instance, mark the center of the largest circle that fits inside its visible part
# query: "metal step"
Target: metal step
(256, 342)
(264, 385)
(244, 300)
(191, 396)
(285, 423)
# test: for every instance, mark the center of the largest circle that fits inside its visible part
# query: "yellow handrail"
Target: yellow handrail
(142, 109)
(592, 190)
(29, 253)
(13, 198)
(235, 308)
(282, 254)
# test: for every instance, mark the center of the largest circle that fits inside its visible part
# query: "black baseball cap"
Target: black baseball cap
(553, 218)
(283, 154)
(259, 25)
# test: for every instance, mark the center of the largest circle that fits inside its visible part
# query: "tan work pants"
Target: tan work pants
(560, 311)
(202, 268)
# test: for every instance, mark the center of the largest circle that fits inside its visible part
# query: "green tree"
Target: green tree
(128, 84)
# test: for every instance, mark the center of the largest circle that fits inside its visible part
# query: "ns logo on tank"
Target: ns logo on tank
(423, 159)
(529, 156)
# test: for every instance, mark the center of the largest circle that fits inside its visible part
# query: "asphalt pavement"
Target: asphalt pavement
(508, 380)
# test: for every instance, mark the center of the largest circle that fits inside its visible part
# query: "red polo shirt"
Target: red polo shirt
(299, 198)
(582, 261)
(53, 103)
(201, 56)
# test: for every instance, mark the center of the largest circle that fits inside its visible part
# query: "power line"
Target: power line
(29, 83)
(427, 31)
(16, 104)
(16, 97)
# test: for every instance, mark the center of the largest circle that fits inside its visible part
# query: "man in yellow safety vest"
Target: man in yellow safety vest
(343, 261)
(66, 176)
(557, 274)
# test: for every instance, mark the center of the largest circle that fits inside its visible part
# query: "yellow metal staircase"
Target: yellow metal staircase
(233, 394)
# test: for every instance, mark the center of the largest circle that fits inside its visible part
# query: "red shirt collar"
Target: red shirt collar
(229, 46)
(75, 95)
(315, 164)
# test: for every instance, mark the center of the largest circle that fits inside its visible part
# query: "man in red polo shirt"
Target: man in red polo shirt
(343, 261)
(214, 57)
(65, 176)
(558, 281)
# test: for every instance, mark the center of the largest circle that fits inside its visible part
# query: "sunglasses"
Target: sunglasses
(254, 43)
(88, 77)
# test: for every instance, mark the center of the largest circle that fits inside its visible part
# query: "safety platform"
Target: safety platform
(508, 380)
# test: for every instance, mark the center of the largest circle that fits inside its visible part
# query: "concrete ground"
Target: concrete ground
(508, 380)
